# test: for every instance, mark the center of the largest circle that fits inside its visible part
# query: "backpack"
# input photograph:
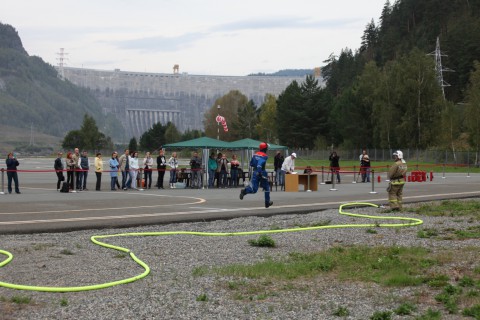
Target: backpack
(64, 188)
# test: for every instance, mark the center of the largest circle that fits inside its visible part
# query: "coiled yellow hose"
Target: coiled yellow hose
(409, 222)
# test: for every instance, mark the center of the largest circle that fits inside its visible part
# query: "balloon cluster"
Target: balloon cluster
(221, 119)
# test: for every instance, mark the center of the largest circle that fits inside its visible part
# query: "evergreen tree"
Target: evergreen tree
(172, 134)
(369, 41)
(154, 138)
(191, 134)
(90, 133)
(88, 137)
(289, 107)
(314, 114)
(133, 145)
(245, 125)
(73, 139)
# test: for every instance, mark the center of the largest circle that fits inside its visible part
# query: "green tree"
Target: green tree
(369, 41)
(351, 122)
(373, 90)
(418, 99)
(191, 134)
(154, 138)
(172, 134)
(72, 139)
(88, 137)
(472, 111)
(133, 145)
(314, 113)
(90, 133)
(267, 120)
(229, 106)
(289, 105)
(451, 123)
(303, 114)
(246, 122)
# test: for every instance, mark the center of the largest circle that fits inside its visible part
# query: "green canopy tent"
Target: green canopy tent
(200, 143)
(249, 144)
(204, 143)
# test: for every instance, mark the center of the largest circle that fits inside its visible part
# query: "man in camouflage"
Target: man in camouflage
(396, 175)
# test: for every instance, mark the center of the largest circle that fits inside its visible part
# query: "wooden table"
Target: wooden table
(293, 180)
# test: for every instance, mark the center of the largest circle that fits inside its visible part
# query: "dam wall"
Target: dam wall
(138, 100)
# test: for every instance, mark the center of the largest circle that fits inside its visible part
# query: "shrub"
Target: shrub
(263, 241)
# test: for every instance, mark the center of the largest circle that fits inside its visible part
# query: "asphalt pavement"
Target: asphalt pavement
(41, 208)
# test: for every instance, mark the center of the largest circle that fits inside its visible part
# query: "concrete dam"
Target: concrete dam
(139, 100)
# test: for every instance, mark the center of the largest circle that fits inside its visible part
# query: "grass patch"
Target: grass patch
(395, 266)
(449, 297)
(341, 312)
(67, 252)
(427, 233)
(471, 233)
(430, 315)
(21, 299)
(405, 309)
(473, 312)
(437, 281)
(262, 241)
(381, 315)
(451, 208)
(64, 302)
(202, 297)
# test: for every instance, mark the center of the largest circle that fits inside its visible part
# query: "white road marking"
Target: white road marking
(158, 214)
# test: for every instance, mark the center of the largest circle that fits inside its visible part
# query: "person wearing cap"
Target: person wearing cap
(396, 175)
(260, 176)
(288, 166)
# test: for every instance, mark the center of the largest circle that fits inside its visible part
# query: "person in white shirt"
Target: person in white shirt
(133, 161)
(173, 164)
(288, 166)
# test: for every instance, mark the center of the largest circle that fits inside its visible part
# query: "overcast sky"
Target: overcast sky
(211, 37)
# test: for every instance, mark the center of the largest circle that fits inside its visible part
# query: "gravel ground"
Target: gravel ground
(171, 290)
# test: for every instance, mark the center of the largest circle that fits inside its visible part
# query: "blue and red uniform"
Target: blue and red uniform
(259, 177)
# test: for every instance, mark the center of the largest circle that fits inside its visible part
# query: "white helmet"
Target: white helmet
(399, 154)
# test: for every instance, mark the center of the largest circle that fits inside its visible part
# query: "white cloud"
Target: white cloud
(204, 37)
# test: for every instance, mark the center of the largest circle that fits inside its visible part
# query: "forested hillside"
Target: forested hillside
(387, 93)
(31, 94)
(411, 23)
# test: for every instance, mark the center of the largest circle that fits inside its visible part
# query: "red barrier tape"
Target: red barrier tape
(88, 170)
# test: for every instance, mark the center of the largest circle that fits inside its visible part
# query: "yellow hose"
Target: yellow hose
(410, 222)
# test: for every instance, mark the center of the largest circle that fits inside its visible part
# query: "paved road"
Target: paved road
(41, 208)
